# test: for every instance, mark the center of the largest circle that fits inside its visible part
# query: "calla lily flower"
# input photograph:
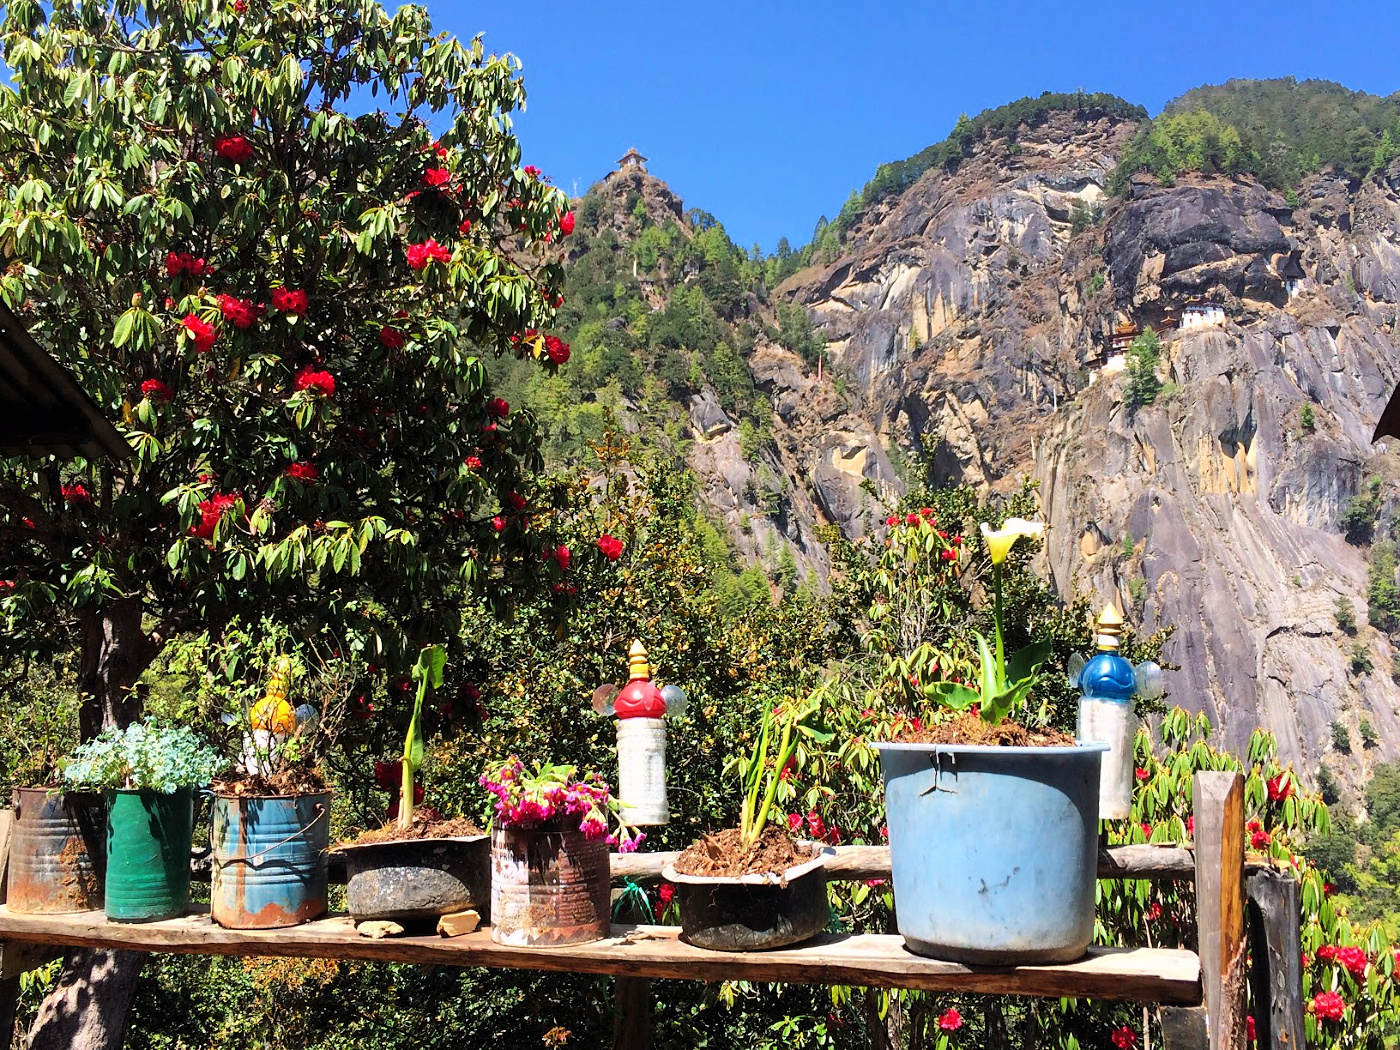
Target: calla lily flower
(999, 541)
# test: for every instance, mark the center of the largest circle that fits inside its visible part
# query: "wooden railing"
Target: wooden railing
(1241, 911)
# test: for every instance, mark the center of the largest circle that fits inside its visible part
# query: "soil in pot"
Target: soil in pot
(969, 728)
(297, 780)
(414, 875)
(735, 899)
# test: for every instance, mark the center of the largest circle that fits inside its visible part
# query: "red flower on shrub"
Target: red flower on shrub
(892, 520)
(155, 390)
(303, 472)
(1279, 788)
(436, 177)
(1154, 912)
(419, 255)
(557, 349)
(320, 381)
(1354, 959)
(1249, 1028)
(1124, 1038)
(472, 462)
(515, 501)
(465, 228)
(566, 224)
(498, 523)
(666, 892)
(241, 313)
(562, 556)
(388, 775)
(391, 337)
(76, 493)
(950, 1020)
(610, 546)
(235, 148)
(794, 823)
(1329, 1006)
(289, 302)
(1143, 774)
(816, 825)
(1260, 839)
(211, 512)
(177, 263)
(1327, 952)
(498, 408)
(202, 332)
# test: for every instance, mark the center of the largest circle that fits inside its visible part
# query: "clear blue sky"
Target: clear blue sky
(769, 113)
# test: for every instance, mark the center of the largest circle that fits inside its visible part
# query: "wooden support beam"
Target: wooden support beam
(1184, 1027)
(1276, 965)
(1152, 975)
(632, 1013)
(1218, 806)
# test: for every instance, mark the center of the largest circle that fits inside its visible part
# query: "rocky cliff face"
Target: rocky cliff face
(970, 320)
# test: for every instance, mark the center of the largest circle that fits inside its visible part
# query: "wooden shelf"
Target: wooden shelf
(872, 960)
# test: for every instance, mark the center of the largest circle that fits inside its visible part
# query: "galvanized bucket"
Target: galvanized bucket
(548, 888)
(269, 860)
(993, 850)
(148, 854)
(57, 852)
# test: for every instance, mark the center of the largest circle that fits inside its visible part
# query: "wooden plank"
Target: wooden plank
(1160, 975)
(858, 863)
(632, 1013)
(1184, 1027)
(1218, 806)
(1276, 966)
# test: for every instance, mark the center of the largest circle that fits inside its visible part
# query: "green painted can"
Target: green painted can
(148, 854)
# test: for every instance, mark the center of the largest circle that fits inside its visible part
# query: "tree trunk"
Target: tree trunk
(88, 1009)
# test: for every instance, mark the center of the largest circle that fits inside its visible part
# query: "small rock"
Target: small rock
(378, 929)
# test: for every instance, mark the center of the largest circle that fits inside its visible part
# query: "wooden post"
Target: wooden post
(1219, 812)
(1183, 1027)
(632, 1013)
(1276, 966)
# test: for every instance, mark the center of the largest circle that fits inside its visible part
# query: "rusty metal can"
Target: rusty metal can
(269, 860)
(58, 851)
(548, 888)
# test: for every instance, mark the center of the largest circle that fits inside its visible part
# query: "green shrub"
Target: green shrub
(1307, 418)
(1341, 739)
(1346, 614)
(1369, 738)
(1143, 384)
(1360, 659)
(1359, 516)
(1382, 594)
(161, 758)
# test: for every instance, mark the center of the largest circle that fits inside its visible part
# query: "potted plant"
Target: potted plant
(271, 816)
(57, 841)
(149, 773)
(550, 874)
(754, 887)
(989, 820)
(420, 867)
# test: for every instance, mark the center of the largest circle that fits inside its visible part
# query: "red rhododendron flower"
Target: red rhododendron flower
(1354, 959)
(1249, 1028)
(303, 471)
(816, 825)
(1328, 889)
(76, 493)
(320, 381)
(1279, 788)
(566, 224)
(1143, 774)
(532, 171)
(419, 255)
(465, 228)
(892, 520)
(610, 546)
(498, 523)
(498, 408)
(211, 512)
(391, 337)
(794, 823)
(155, 390)
(1260, 839)
(472, 462)
(1327, 952)
(436, 177)
(515, 501)
(1124, 1038)
(666, 892)
(562, 556)
(202, 332)
(1329, 1006)
(235, 148)
(950, 1020)
(241, 313)
(177, 263)
(289, 302)
(388, 775)
(911, 519)
(1153, 913)
(1191, 825)
(557, 349)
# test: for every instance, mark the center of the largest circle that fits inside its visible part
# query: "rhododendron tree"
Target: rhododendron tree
(171, 168)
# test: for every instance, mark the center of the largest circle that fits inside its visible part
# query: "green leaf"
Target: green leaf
(951, 694)
(1027, 661)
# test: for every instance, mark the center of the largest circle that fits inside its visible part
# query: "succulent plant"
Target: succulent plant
(156, 757)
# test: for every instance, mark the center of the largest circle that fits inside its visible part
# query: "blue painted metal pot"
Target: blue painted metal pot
(269, 860)
(994, 850)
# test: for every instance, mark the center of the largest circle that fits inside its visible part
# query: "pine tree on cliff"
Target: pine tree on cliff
(282, 298)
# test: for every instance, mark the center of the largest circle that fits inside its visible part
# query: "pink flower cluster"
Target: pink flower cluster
(552, 797)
